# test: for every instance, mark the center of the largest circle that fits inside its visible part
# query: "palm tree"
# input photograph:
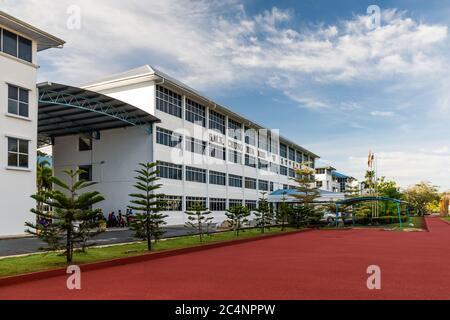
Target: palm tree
(44, 183)
(43, 176)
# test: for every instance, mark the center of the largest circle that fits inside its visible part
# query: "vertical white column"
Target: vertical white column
(183, 148)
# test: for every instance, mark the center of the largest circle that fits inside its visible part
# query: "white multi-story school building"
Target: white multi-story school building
(205, 151)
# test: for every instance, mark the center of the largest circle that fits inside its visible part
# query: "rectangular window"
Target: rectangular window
(18, 153)
(250, 136)
(217, 122)
(320, 171)
(251, 204)
(274, 168)
(192, 201)
(319, 184)
(250, 183)
(168, 138)
(263, 165)
(283, 170)
(84, 144)
(25, 51)
(168, 101)
(86, 174)
(291, 173)
(9, 43)
(195, 113)
(291, 154)
(263, 140)
(272, 186)
(283, 150)
(234, 129)
(285, 187)
(263, 185)
(18, 101)
(172, 203)
(16, 45)
(234, 203)
(299, 157)
(195, 175)
(169, 171)
(217, 178)
(195, 146)
(234, 156)
(217, 204)
(216, 151)
(234, 181)
(250, 161)
(274, 143)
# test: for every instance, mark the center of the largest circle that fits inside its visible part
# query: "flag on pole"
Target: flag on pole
(370, 159)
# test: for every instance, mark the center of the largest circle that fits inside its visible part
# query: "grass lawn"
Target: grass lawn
(446, 218)
(47, 261)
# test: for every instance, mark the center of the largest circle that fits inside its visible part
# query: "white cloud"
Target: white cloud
(408, 167)
(214, 43)
(217, 45)
(382, 114)
(306, 102)
(441, 150)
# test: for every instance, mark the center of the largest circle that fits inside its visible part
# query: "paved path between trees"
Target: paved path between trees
(313, 265)
(10, 247)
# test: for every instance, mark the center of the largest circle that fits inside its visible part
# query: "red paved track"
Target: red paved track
(312, 265)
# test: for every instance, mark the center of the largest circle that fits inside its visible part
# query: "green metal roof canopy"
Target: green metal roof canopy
(351, 201)
(66, 110)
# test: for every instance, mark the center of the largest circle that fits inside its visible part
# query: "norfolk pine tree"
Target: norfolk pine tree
(198, 217)
(263, 213)
(148, 222)
(73, 218)
(237, 217)
(307, 191)
(283, 212)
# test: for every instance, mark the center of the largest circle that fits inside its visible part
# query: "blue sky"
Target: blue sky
(313, 69)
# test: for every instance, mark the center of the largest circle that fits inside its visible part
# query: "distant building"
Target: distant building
(328, 179)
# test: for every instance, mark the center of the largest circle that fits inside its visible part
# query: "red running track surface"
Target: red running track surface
(311, 265)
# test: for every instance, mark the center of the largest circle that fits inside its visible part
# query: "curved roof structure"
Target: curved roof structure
(362, 199)
(66, 110)
(287, 195)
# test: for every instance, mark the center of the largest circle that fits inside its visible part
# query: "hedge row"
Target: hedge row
(380, 220)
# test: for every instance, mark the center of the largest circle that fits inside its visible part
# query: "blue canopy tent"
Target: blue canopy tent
(352, 201)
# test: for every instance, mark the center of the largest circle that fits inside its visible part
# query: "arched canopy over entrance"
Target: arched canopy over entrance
(352, 201)
(66, 110)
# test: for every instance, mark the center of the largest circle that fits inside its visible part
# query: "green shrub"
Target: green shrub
(379, 221)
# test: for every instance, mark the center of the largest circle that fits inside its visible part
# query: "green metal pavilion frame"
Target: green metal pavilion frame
(66, 110)
(352, 201)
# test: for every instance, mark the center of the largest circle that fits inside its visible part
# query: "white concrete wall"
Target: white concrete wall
(113, 158)
(17, 185)
(143, 95)
(328, 182)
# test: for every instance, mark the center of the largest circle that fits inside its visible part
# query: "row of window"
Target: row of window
(175, 203)
(170, 102)
(169, 138)
(175, 172)
(15, 45)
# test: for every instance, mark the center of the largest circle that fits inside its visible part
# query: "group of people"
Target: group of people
(121, 220)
